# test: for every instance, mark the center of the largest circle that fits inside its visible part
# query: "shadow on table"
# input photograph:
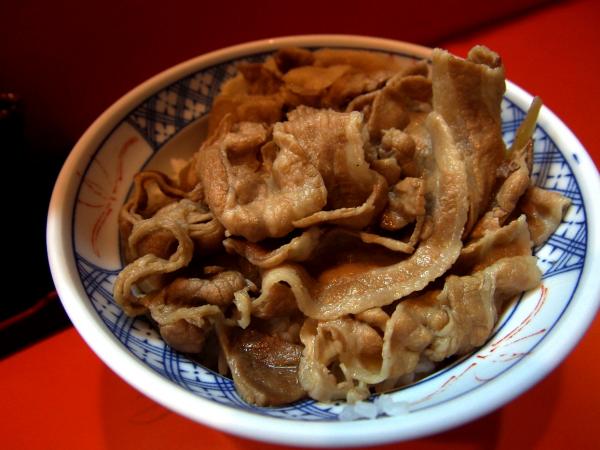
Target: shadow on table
(132, 420)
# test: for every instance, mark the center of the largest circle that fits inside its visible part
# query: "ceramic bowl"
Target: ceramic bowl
(162, 119)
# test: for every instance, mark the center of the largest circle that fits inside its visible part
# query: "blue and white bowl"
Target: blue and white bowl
(162, 120)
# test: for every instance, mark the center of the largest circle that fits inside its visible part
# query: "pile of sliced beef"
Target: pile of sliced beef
(352, 218)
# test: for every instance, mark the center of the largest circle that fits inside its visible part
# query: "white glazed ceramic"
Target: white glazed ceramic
(162, 119)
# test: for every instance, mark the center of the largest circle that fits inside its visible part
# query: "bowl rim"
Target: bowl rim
(285, 431)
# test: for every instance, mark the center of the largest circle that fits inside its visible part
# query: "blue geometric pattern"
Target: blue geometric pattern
(565, 249)
(163, 115)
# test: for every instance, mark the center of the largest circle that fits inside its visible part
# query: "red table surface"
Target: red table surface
(59, 395)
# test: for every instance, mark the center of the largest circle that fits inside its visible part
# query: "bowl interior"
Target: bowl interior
(168, 124)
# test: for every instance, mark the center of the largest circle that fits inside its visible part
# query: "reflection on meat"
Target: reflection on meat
(350, 222)
(264, 368)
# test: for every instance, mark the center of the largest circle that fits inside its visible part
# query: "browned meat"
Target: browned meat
(258, 195)
(545, 210)
(333, 142)
(393, 106)
(327, 344)
(244, 107)
(291, 57)
(515, 173)
(388, 168)
(312, 82)
(176, 219)
(186, 309)
(185, 328)
(259, 79)
(468, 93)
(276, 300)
(356, 291)
(218, 290)
(151, 191)
(298, 249)
(403, 148)
(434, 326)
(264, 368)
(510, 240)
(406, 203)
(323, 254)
(433, 257)
(352, 217)
(392, 244)
(184, 337)
(368, 62)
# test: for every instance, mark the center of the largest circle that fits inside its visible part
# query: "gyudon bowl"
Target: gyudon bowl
(488, 346)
